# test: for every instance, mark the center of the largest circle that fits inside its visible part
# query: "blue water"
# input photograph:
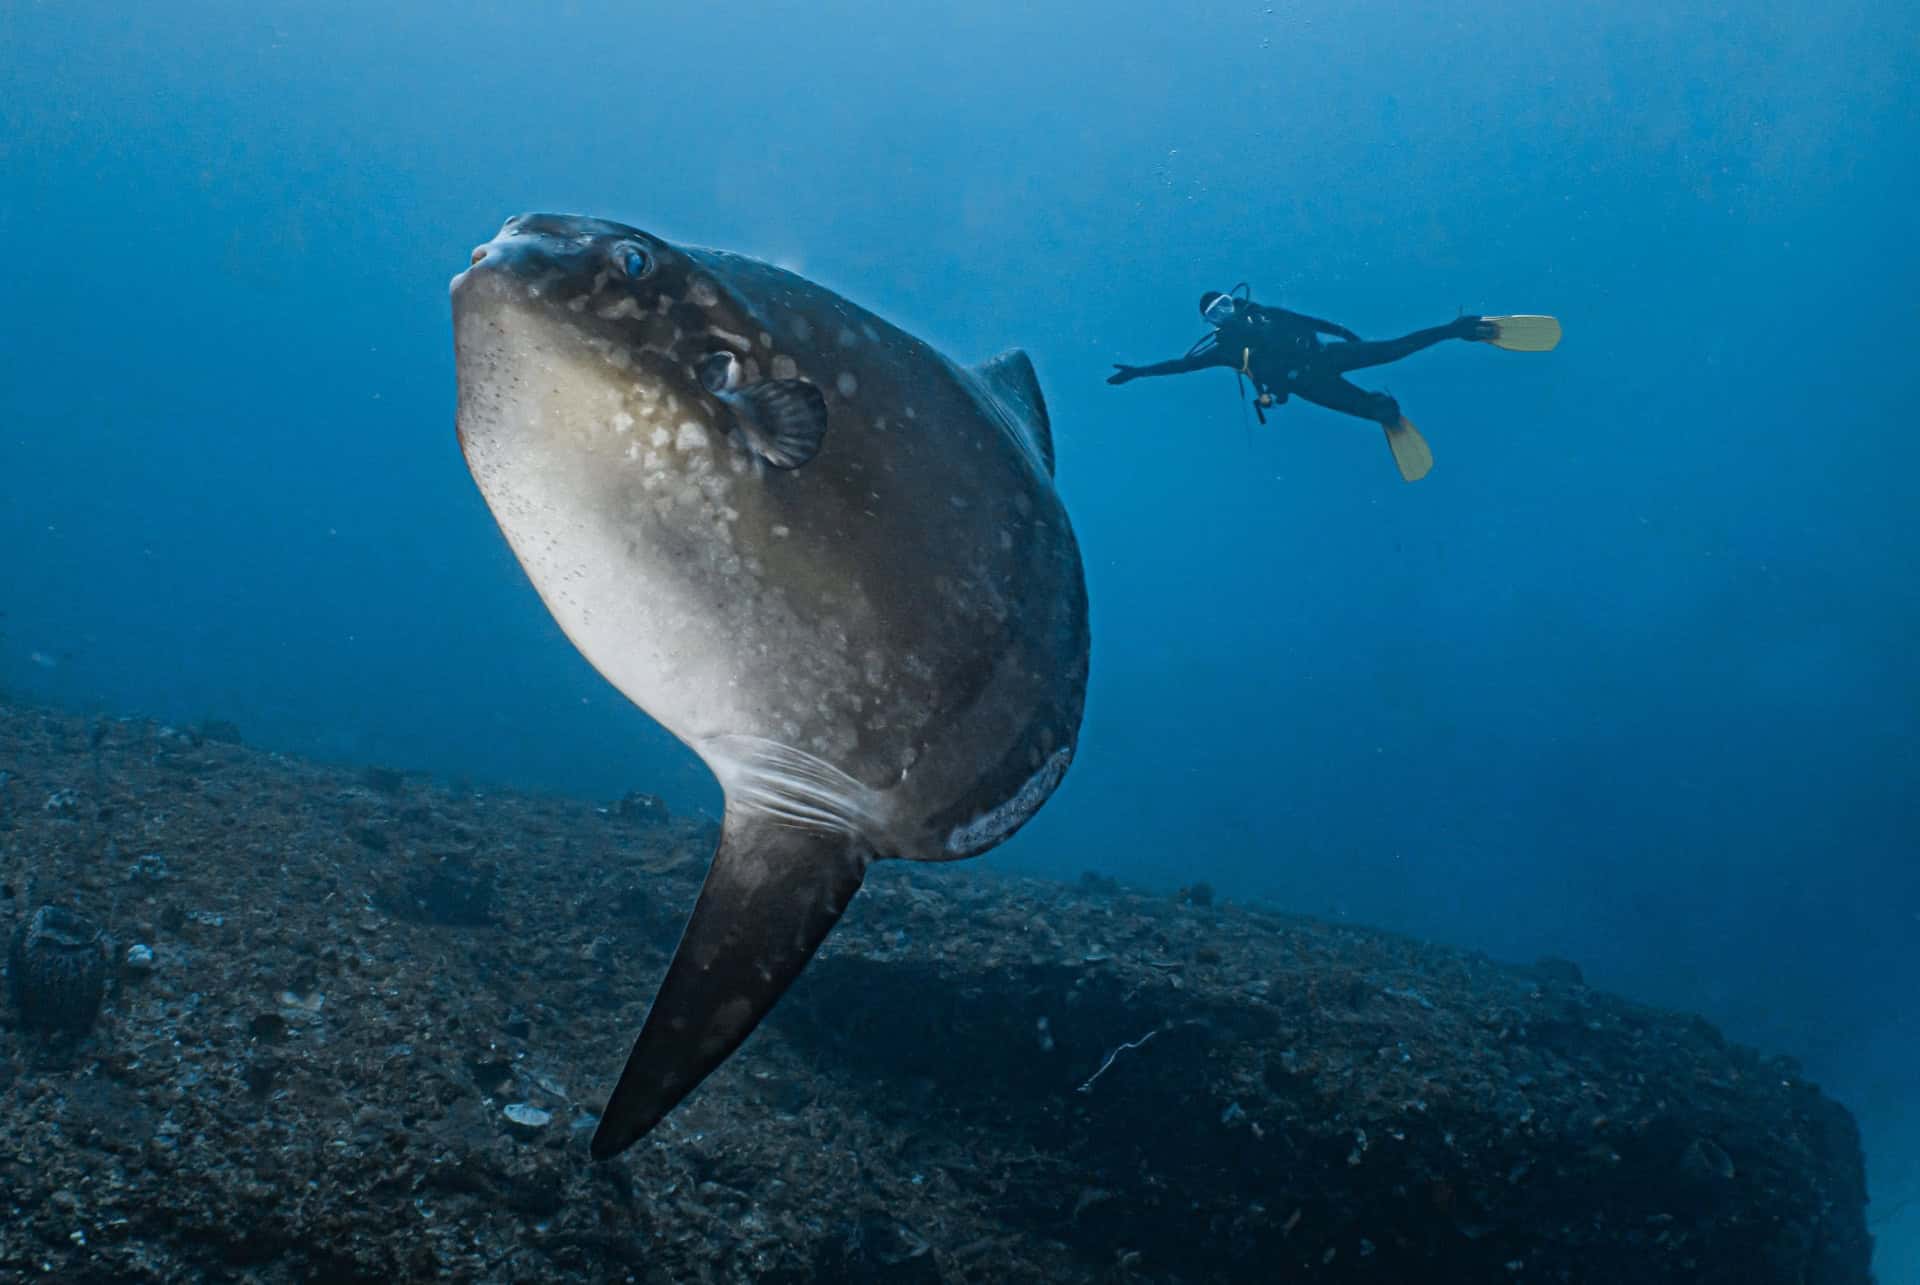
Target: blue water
(1629, 679)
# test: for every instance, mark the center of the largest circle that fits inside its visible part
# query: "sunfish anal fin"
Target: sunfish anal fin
(774, 892)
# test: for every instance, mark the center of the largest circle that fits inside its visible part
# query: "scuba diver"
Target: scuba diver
(1283, 354)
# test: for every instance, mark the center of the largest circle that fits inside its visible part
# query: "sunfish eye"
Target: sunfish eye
(719, 372)
(635, 262)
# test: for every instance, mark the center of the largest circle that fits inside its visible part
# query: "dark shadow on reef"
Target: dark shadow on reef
(355, 1024)
(1492, 1123)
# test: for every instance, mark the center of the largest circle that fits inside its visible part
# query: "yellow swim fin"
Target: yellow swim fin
(1409, 450)
(1525, 333)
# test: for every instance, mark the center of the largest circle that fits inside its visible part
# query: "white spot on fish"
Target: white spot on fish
(703, 293)
(623, 307)
(782, 531)
(847, 384)
(730, 339)
(622, 422)
(784, 368)
(661, 437)
(802, 329)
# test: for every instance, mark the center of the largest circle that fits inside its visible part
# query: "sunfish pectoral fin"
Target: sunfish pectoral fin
(783, 419)
(773, 893)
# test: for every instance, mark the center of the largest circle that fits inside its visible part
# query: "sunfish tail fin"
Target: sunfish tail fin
(1409, 450)
(1524, 333)
(774, 892)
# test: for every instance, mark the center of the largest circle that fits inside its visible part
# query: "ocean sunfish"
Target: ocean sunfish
(828, 559)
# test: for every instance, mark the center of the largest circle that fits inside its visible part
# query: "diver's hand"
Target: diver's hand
(1121, 374)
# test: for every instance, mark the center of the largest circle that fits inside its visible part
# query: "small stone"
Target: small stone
(221, 730)
(492, 1074)
(139, 958)
(383, 780)
(301, 1010)
(1705, 1163)
(1196, 894)
(637, 808)
(525, 1119)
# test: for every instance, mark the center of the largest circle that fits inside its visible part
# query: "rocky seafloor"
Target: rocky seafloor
(350, 976)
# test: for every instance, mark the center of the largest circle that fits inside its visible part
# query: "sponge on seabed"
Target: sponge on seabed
(57, 970)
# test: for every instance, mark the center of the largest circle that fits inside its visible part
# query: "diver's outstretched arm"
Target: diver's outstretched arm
(1178, 366)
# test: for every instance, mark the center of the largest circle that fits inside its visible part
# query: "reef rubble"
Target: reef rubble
(359, 1020)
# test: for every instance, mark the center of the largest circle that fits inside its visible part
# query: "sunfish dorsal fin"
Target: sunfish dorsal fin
(774, 892)
(1010, 378)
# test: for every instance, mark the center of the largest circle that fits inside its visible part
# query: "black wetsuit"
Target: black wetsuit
(1282, 353)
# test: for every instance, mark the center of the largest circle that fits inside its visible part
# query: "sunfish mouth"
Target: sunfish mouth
(480, 252)
(546, 247)
(513, 246)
